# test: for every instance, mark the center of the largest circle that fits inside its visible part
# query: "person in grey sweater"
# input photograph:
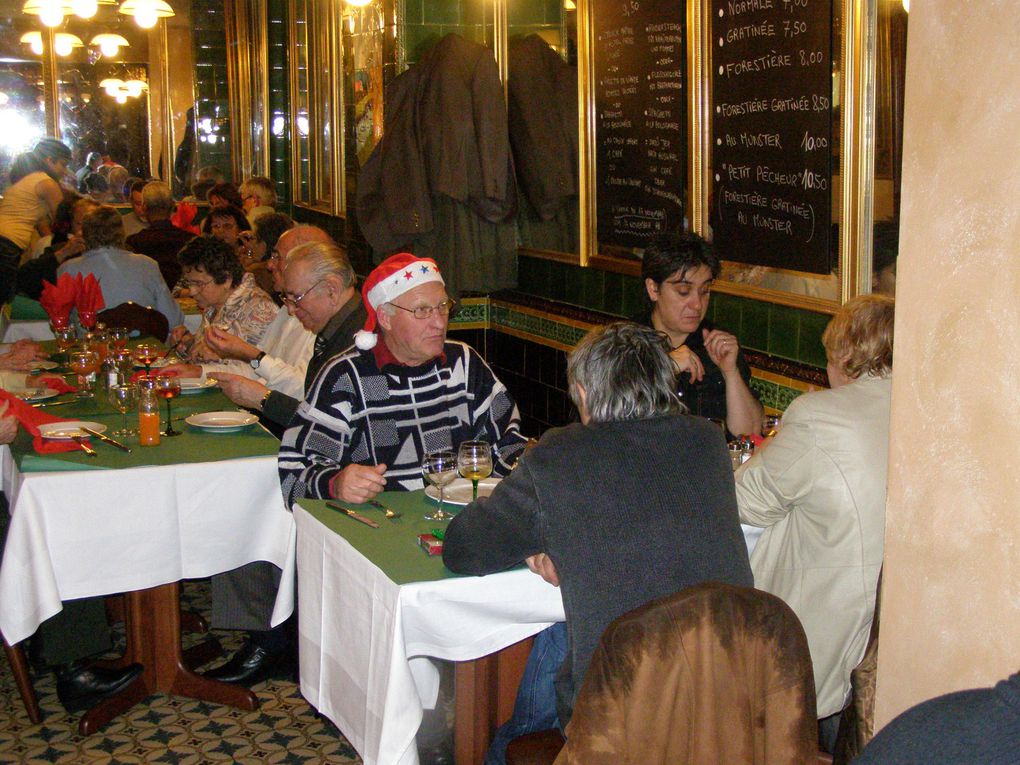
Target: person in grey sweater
(634, 503)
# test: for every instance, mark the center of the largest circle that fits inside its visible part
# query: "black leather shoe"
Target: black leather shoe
(251, 665)
(80, 686)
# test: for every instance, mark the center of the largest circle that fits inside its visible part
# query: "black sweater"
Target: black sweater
(628, 512)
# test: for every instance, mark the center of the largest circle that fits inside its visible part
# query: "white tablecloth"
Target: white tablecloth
(364, 640)
(95, 532)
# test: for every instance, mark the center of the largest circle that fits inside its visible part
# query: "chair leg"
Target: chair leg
(19, 666)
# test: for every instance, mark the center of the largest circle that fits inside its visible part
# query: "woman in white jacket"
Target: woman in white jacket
(819, 491)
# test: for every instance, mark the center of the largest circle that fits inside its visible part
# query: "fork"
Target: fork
(391, 514)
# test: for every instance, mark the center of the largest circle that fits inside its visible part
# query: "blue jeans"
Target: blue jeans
(535, 705)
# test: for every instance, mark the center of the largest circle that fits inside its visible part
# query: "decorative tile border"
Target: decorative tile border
(535, 322)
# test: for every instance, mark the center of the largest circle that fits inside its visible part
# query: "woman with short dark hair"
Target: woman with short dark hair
(229, 298)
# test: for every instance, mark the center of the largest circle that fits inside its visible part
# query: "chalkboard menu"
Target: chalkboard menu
(772, 132)
(641, 127)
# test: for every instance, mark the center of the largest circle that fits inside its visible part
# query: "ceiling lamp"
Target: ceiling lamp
(358, 3)
(64, 43)
(85, 9)
(134, 88)
(146, 12)
(34, 41)
(50, 12)
(112, 85)
(109, 44)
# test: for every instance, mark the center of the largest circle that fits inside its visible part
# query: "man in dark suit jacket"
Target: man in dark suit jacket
(318, 290)
(162, 240)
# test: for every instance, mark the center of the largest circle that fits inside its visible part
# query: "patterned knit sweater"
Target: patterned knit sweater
(356, 413)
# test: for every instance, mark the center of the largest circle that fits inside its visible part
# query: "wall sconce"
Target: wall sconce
(146, 12)
(109, 44)
(63, 43)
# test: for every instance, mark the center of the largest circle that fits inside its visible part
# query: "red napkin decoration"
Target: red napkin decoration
(89, 300)
(55, 383)
(184, 217)
(30, 419)
(58, 300)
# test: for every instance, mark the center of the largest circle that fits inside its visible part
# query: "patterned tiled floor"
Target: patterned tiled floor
(168, 729)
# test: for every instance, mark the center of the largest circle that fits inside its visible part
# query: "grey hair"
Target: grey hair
(324, 259)
(260, 187)
(626, 373)
(156, 195)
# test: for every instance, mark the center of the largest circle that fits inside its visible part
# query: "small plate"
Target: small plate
(65, 431)
(196, 385)
(222, 422)
(157, 364)
(459, 491)
(35, 394)
(43, 364)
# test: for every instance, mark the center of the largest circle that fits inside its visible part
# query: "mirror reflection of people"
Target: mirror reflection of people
(258, 194)
(593, 509)
(29, 207)
(135, 220)
(818, 490)
(714, 379)
(92, 164)
(885, 247)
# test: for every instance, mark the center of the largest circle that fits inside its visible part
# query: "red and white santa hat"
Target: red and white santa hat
(388, 281)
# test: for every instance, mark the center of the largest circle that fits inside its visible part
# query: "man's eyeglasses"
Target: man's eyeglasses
(425, 311)
(295, 299)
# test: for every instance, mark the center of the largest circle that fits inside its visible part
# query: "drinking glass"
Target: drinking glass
(66, 338)
(146, 354)
(84, 364)
(119, 336)
(98, 343)
(168, 386)
(87, 319)
(439, 469)
(124, 399)
(474, 460)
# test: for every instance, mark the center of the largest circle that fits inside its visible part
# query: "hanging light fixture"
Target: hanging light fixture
(146, 12)
(34, 41)
(84, 9)
(64, 43)
(134, 88)
(112, 85)
(109, 44)
(50, 12)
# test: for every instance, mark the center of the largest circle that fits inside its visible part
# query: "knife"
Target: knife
(80, 440)
(106, 439)
(354, 515)
(41, 404)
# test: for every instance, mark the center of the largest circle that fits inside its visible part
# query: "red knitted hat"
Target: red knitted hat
(388, 281)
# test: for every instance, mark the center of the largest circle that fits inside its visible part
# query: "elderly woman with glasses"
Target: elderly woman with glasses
(818, 490)
(229, 298)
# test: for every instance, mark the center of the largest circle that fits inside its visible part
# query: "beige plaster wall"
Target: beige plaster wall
(951, 603)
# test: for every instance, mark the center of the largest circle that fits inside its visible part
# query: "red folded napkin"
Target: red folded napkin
(30, 419)
(58, 299)
(55, 383)
(184, 216)
(89, 300)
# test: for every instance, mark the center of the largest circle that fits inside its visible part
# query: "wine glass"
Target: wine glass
(99, 343)
(65, 337)
(124, 399)
(87, 319)
(84, 364)
(168, 386)
(439, 469)
(474, 460)
(119, 336)
(145, 354)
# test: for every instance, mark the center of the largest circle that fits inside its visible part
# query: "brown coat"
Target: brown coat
(713, 674)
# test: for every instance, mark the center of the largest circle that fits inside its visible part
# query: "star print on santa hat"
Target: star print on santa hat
(392, 278)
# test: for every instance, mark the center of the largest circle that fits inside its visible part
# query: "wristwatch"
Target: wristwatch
(257, 360)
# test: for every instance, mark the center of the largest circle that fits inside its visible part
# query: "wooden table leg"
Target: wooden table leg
(153, 623)
(485, 693)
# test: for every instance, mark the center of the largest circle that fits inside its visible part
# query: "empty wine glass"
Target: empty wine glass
(124, 399)
(474, 460)
(439, 469)
(168, 386)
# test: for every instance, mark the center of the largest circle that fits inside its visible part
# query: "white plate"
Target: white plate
(222, 422)
(157, 364)
(35, 394)
(459, 491)
(196, 384)
(65, 431)
(44, 364)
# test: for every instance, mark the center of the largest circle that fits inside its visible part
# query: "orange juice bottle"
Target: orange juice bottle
(148, 417)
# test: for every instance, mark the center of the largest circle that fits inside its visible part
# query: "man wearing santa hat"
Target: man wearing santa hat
(404, 390)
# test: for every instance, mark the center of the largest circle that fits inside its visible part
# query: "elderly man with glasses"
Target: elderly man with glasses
(373, 412)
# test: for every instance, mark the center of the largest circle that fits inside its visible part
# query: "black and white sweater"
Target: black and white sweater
(355, 413)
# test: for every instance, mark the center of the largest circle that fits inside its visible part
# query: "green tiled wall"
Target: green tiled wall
(212, 95)
(426, 21)
(279, 99)
(790, 333)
